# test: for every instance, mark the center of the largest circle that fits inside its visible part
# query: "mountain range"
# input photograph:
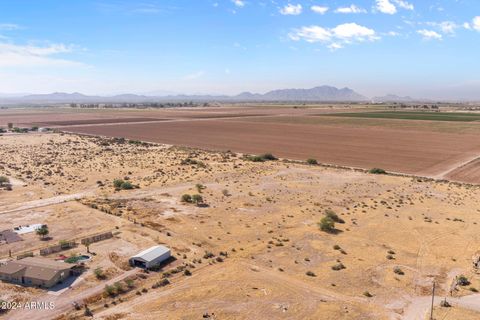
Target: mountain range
(317, 94)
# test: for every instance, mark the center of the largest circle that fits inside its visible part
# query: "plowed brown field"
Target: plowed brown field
(406, 151)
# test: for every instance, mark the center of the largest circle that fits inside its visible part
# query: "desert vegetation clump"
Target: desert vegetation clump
(327, 224)
(377, 171)
(4, 181)
(312, 161)
(121, 184)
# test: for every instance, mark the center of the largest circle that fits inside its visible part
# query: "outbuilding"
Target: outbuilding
(151, 257)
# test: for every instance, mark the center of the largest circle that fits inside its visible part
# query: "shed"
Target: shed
(151, 257)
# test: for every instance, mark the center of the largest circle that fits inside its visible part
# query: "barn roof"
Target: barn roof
(152, 253)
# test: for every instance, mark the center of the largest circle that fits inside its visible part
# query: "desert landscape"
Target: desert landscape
(269, 211)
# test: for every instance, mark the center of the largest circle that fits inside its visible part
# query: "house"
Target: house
(151, 257)
(9, 236)
(35, 271)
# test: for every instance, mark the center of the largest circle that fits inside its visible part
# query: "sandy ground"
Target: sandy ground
(255, 251)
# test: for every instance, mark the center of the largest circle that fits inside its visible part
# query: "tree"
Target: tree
(4, 180)
(43, 231)
(327, 224)
(87, 245)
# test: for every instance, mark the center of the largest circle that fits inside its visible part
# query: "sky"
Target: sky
(424, 49)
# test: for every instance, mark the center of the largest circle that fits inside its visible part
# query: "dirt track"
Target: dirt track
(412, 152)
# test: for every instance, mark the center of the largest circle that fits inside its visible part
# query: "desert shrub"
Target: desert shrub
(336, 247)
(377, 171)
(197, 199)
(332, 215)
(199, 187)
(119, 287)
(268, 157)
(312, 161)
(473, 289)
(187, 198)
(327, 224)
(117, 183)
(338, 267)
(4, 180)
(126, 185)
(129, 283)
(462, 281)
(398, 271)
(110, 290)
(367, 294)
(310, 274)
(187, 272)
(99, 274)
(255, 158)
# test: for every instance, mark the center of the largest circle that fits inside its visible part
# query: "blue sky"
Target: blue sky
(418, 48)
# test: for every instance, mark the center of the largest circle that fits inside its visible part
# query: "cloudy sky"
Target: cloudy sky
(425, 49)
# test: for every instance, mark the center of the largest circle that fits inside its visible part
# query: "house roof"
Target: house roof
(9, 236)
(152, 253)
(37, 268)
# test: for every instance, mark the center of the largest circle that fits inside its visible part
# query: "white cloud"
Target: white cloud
(335, 46)
(335, 38)
(319, 9)
(476, 23)
(404, 4)
(447, 27)
(385, 6)
(354, 31)
(291, 9)
(194, 76)
(351, 9)
(12, 55)
(429, 34)
(239, 3)
(9, 26)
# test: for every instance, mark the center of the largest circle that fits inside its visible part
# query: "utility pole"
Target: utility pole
(433, 297)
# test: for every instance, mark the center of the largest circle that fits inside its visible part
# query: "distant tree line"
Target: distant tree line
(155, 105)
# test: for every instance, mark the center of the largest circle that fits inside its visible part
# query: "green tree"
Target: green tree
(43, 231)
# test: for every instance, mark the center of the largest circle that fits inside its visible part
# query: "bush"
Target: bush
(310, 274)
(462, 281)
(398, 271)
(127, 185)
(268, 157)
(4, 180)
(197, 199)
(312, 161)
(187, 198)
(367, 294)
(99, 273)
(255, 158)
(110, 290)
(117, 183)
(338, 267)
(377, 171)
(332, 215)
(327, 224)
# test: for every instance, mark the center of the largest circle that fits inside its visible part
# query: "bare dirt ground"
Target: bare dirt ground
(469, 172)
(255, 250)
(405, 151)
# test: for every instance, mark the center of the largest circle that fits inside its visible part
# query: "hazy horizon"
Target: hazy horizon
(108, 47)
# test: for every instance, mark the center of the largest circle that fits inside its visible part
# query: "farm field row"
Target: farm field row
(406, 151)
